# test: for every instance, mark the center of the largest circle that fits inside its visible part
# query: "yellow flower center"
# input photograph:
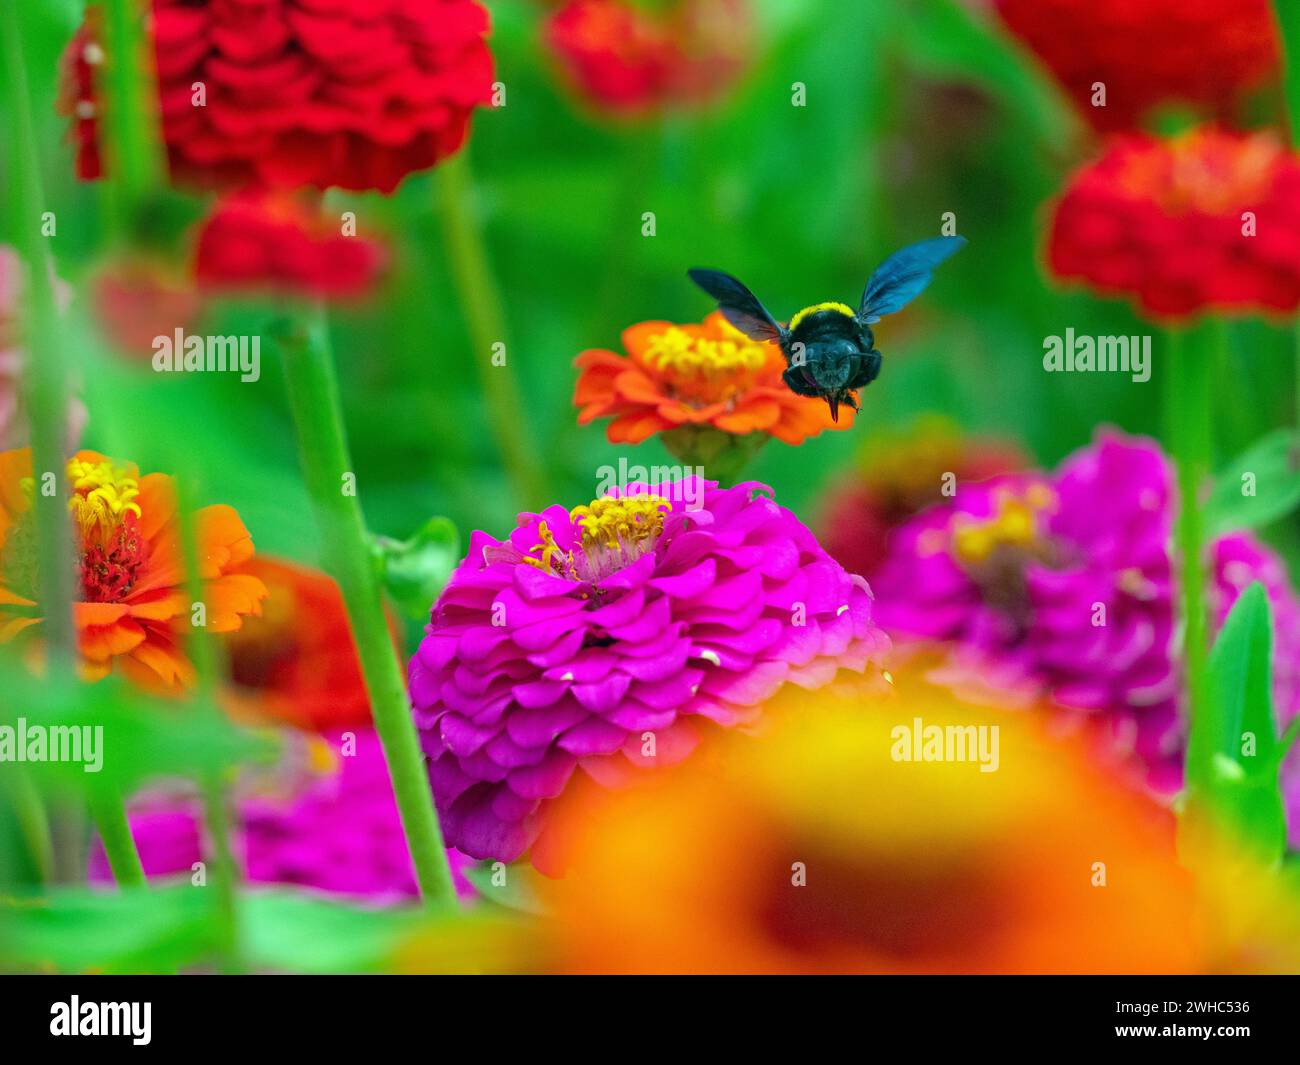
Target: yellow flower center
(102, 496)
(1014, 524)
(613, 522)
(704, 369)
(615, 532)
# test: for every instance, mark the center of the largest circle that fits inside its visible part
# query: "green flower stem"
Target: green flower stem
(327, 469)
(45, 375)
(115, 831)
(33, 821)
(480, 297)
(722, 456)
(1188, 410)
(136, 164)
(45, 397)
(216, 803)
(1288, 21)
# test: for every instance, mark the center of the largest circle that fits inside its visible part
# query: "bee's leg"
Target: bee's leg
(801, 382)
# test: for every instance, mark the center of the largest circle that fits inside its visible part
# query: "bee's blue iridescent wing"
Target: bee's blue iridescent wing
(738, 305)
(903, 276)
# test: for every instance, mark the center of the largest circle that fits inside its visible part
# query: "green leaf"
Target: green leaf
(1288, 20)
(1259, 486)
(77, 930)
(415, 570)
(1232, 751)
(133, 737)
(518, 892)
(290, 931)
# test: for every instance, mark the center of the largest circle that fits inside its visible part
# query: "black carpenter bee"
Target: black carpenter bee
(829, 348)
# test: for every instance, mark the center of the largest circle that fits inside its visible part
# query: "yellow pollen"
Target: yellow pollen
(102, 494)
(1014, 524)
(676, 351)
(612, 522)
(817, 308)
(549, 549)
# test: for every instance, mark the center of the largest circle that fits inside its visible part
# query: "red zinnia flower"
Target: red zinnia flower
(255, 240)
(138, 299)
(1146, 52)
(628, 60)
(297, 663)
(1210, 219)
(301, 92)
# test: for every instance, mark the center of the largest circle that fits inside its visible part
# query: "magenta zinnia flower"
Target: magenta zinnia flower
(338, 832)
(1061, 586)
(647, 612)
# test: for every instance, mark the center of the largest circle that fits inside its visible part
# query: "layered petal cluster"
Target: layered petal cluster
(336, 830)
(255, 240)
(709, 375)
(132, 608)
(1209, 220)
(628, 59)
(600, 638)
(899, 474)
(290, 93)
(1062, 586)
(297, 663)
(1148, 52)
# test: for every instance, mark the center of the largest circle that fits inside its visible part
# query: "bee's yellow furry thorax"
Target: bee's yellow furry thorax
(815, 308)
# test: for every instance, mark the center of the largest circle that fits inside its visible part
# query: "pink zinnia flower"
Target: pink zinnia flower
(339, 832)
(13, 431)
(591, 638)
(1061, 586)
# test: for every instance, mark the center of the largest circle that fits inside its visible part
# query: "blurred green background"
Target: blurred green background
(914, 108)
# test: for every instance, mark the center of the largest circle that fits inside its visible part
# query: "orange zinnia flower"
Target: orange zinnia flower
(297, 663)
(915, 834)
(695, 376)
(132, 609)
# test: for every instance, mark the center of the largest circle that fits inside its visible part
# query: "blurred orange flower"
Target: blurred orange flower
(297, 663)
(708, 375)
(835, 843)
(131, 609)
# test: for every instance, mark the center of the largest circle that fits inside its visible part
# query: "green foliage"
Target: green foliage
(1258, 487)
(414, 570)
(1233, 755)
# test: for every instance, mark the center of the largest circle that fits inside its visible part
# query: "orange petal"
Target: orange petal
(105, 642)
(232, 596)
(224, 542)
(633, 428)
(88, 615)
(158, 605)
(157, 501)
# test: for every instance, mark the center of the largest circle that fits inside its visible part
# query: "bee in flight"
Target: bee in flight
(829, 348)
